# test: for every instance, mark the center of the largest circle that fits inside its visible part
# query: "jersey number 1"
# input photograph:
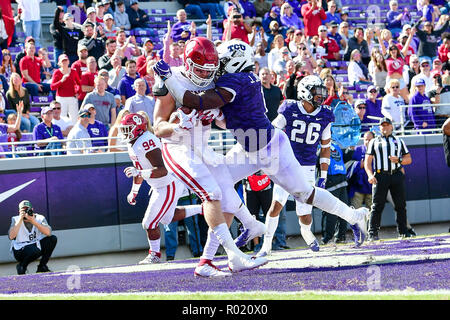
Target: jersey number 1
(312, 132)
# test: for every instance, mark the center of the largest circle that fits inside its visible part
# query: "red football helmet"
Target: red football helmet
(132, 126)
(201, 54)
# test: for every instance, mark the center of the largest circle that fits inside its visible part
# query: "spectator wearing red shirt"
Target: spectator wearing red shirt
(403, 38)
(235, 27)
(30, 67)
(443, 49)
(148, 55)
(66, 83)
(329, 44)
(80, 65)
(87, 80)
(313, 14)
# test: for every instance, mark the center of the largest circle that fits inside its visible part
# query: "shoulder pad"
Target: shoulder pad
(160, 90)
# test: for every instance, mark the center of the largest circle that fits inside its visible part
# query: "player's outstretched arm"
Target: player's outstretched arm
(164, 107)
(324, 161)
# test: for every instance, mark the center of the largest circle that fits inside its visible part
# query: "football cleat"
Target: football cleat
(242, 263)
(263, 253)
(314, 246)
(207, 269)
(360, 227)
(258, 229)
(153, 257)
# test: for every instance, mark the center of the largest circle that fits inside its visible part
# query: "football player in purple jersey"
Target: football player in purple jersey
(260, 146)
(307, 123)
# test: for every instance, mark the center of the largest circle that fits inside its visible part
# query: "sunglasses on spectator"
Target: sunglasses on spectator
(6, 54)
(425, 64)
(86, 115)
(395, 87)
(362, 108)
(373, 91)
(415, 61)
(237, 16)
(57, 108)
(437, 62)
(345, 92)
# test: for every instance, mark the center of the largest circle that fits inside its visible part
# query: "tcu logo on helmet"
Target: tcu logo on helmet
(236, 46)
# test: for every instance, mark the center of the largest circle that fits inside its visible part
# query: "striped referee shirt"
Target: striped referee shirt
(382, 147)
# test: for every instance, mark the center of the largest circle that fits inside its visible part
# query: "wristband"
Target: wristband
(323, 174)
(135, 188)
(325, 160)
(324, 146)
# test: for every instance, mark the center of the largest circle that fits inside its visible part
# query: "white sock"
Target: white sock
(192, 210)
(155, 245)
(324, 200)
(244, 216)
(271, 227)
(305, 230)
(224, 236)
(211, 246)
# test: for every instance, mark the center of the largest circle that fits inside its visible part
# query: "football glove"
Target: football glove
(187, 121)
(162, 69)
(321, 182)
(211, 114)
(131, 172)
(131, 198)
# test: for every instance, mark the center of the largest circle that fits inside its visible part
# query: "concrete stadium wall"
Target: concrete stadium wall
(84, 198)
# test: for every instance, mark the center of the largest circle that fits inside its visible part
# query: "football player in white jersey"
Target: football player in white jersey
(186, 153)
(144, 149)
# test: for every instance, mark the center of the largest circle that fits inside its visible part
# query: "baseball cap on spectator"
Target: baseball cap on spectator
(106, 1)
(402, 35)
(99, 4)
(420, 82)
(322, 27)
(44, 110)
(62, 58)
(3, 116)
(102, 72)
(385, 119)
(275, 9)
(272, 24)
(83, 111)
(344, 11)
(67, 15)
(90, 10)
(29, 38)
(147, 40)
(424, 59)
(133, 2)
(25, 203)
(359, 102)
(371, 87)
(230, 10)
(88, 106)
(81, 47)
(297, 32)
(344, 24)
(108, 16)
(406, 27)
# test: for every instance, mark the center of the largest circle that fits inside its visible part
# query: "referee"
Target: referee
(386, 154)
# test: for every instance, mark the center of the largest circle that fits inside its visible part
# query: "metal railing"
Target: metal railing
(220, 140)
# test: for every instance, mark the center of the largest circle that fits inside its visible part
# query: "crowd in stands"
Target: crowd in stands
(100, 64)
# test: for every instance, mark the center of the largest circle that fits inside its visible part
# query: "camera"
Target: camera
(29, 211)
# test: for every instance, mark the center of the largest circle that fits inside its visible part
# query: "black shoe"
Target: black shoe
(285, 247)
(340, 240)
(373, 237)
(21, 269)
(170, 258)
(43, 268)
(404, 235)
(411, 232)
(324, 241)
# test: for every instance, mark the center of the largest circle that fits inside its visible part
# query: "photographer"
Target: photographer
(31, 238)
(441, 95)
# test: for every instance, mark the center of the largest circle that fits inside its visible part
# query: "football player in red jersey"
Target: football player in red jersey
(187, 154)
(144, 149)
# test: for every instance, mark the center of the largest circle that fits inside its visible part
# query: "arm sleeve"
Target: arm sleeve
(326, 134)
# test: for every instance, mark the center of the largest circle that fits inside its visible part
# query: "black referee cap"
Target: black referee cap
(385, 119)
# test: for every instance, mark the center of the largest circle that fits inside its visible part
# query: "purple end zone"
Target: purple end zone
(429, 273)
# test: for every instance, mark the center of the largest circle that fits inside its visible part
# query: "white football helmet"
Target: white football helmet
(312, 89)
(235, 56)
